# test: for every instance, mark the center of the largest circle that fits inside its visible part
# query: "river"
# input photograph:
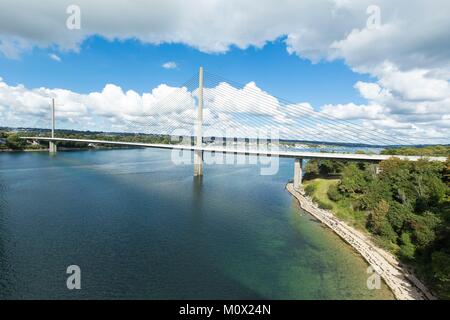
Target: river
(139, 226)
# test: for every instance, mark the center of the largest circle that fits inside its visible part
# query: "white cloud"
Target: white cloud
(12, 47)
(369, 90)
(247, 109)
(414, 84)
(414, 104)
(54, 57)
(249, 99)
(412, 33)
(169, 65)
(353, 111)
(31, 107)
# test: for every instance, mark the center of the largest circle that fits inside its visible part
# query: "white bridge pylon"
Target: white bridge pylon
(198, 154)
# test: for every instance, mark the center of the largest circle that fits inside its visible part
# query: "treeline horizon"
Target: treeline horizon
(388, 149)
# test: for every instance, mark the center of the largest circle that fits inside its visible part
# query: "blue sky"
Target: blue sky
(136, 66)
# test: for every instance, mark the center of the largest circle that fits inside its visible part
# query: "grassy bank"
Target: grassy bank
(404, 206)
(318, 189)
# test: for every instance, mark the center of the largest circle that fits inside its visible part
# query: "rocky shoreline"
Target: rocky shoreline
(403, 284)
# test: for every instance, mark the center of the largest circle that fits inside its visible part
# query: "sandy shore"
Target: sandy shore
(403, 284)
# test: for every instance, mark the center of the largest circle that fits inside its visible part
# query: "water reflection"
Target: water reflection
(162, 234)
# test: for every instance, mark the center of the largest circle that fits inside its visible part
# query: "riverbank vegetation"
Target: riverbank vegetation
(10, 140)
(426, 151)
(404, 205)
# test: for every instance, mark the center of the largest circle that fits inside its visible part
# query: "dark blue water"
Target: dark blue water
(141, 227)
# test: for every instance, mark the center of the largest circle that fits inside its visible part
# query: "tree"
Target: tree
(376, 191)
(14, 142)
(398, 215)
(396, 174)
(440, 266)
(333, 193)
(407, 204)
(424, 229)
(386, 231)
(447, 172)
(312, 168)
(353, 179)
(377, 217)
(327, 167)
(407, 249)
(428, 184)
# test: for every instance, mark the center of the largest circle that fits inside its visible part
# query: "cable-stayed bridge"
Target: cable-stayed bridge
(209, 106)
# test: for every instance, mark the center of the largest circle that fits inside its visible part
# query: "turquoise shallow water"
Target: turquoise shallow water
(141, 227)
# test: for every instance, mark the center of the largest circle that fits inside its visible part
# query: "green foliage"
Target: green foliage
(424, 229)
(398, 216)
(309, 189)
(387, 232)
(14, 142)
(321, 204)
(334, 193)
(406, 206)
(330, 167)
(376, 191)
(446, 172)
(407, 249)
(440, 266)
(396, 176)
(378, 217)
(443, 151)
(323, 167)
(353, 180)
(312, 168)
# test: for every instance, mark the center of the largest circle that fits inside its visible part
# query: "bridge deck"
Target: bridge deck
(279, 153)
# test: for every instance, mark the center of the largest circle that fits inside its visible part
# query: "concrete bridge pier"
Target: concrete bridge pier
(198, 163)
(298, 172)
(52, 147)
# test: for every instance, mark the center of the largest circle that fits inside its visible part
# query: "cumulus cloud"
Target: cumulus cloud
(112, 106)
(55, 57)
(353, 111)
(412, 85)
(412, 33)
(249, 99)
(245, 110)
(169, 65)
(162, 110)
(414, 104)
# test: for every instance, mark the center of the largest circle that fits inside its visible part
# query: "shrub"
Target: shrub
(312, 168)
(424, 229)
(321, 204)
(353, 180)
(377, 218)
(387, 232)
(407, 249)
(309, 189)
(14, 142)
(398, 215)
(333, 193)
(440, 269)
